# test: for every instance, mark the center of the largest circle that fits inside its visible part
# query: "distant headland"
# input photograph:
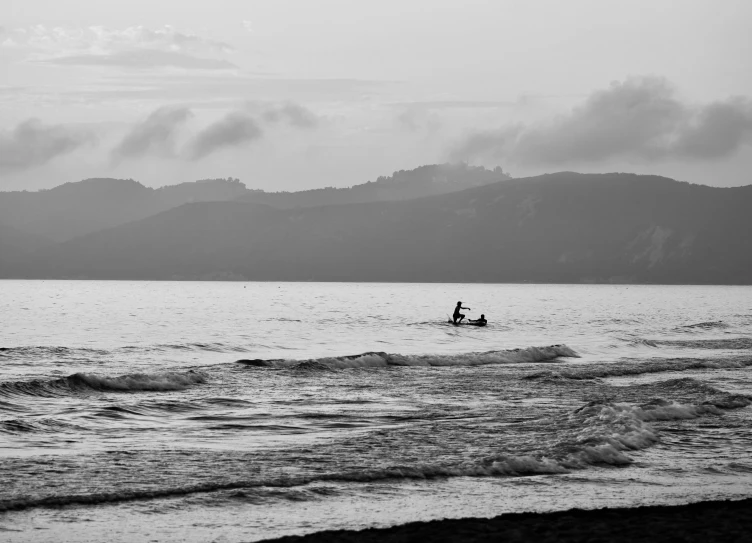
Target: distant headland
(437, 223)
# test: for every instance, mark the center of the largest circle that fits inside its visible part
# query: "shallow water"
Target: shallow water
(123, 409)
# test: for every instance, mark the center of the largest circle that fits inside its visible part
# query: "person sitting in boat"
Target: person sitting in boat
(480, 322)
(457, 314)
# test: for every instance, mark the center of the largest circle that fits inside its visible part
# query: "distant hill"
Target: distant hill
(75, 209)
(563, 227)
(402, 185)
(205, 190)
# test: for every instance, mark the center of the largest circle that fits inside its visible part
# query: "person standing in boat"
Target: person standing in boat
(457, 314)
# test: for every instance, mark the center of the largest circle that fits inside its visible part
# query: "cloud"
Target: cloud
(144, 59)
(166, 38)
(294, 114)
(32, 144)
(417, 118)
(153, 136)
(718, 130)
(233, 130)
(135, 46)
(638, 119)
(156, 135)
(100, 39)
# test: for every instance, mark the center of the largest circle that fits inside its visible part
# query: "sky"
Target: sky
(294, 94)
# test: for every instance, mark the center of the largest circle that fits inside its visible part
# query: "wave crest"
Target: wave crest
(137, 381)
(383, 359)
(83, 382)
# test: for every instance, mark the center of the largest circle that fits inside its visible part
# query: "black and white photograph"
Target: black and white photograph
(359, 271)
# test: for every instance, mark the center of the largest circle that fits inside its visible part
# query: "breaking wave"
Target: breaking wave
(382, 359)
(603, 433)
(83, 382)
(611, 430)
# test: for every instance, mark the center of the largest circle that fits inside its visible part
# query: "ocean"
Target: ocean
(238, 411)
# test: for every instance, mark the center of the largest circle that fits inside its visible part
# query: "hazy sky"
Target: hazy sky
(294, 94)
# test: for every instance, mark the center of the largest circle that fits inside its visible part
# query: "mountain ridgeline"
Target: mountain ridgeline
(563, 227)
(401, 185)
(75, 209)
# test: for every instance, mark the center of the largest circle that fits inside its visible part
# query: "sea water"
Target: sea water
(199, 411)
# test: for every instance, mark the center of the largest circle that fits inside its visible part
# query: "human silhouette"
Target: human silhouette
(480, 322)
(457, 314)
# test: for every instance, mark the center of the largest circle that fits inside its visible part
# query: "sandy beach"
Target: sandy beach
(702, 522)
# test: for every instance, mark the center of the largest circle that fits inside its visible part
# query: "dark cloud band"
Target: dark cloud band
(640, 118)
(153, 136)
(33, 143)
(233, 130)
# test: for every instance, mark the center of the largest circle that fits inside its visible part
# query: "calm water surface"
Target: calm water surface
(125, 412)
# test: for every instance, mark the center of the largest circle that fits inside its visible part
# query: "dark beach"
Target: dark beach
(725, 521)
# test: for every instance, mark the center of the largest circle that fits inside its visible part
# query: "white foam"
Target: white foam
(514, 356)
(382, 359)
(608, 431)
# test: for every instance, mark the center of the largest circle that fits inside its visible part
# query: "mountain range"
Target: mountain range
(564, 227)
(75, 209)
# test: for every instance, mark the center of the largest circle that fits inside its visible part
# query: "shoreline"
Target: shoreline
(725, 520)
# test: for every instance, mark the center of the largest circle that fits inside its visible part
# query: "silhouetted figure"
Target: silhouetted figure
(480, 322)
(457, 314)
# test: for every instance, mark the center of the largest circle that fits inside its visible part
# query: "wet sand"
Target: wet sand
(727, 521)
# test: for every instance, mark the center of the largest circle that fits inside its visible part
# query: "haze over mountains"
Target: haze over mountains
(75, 209)
(563, 227)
